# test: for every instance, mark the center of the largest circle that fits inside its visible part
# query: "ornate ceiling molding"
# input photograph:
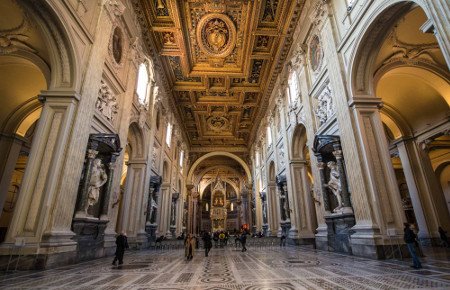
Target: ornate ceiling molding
(219, 60)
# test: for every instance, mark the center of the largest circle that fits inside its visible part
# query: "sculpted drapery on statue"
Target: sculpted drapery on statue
(334, 184)
(98, 179)
(152, 206)
(96, 183)
(328, 151)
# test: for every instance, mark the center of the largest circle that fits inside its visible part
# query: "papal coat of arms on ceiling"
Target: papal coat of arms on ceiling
(216, 35)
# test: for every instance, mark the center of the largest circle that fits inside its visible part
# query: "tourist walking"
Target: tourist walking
(244, 241)
(443, 236)
(282, 240)
(121, 245)
(189, 247)
(410, 240)
(207, 243)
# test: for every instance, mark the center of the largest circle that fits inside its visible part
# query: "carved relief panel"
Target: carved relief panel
(107, 104)
(323, 105)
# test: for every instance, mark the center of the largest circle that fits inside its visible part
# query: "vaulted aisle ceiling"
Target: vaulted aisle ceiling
(220, 60)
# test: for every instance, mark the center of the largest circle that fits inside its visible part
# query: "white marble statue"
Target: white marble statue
(334, 184)
(98, 179)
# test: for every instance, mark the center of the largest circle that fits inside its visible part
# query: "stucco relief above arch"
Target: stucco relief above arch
(53, 34)
(375, 25)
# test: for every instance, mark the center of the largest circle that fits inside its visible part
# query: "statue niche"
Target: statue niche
(91, 215)
(339, 215)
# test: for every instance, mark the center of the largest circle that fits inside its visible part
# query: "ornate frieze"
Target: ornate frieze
(107, 103)
(324, 107)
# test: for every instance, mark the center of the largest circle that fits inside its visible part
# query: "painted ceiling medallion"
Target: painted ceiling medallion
(216, 35)
(218, 123)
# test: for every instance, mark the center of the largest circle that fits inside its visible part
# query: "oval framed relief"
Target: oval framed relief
(117, 45)
(216, 35)
(315, 53)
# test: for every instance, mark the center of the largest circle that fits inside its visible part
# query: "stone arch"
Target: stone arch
(379, 74)
(65, 72)
(219, 153)
(165, 172)
(299, 141)
(370, 40)
(136, 141)
(271, 172)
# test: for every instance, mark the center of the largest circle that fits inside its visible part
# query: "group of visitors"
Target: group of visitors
(191, 243)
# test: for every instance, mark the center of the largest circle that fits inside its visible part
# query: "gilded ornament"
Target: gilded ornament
(216, 35)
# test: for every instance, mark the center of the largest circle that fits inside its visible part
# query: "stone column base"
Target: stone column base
(150, 229)
(265, 228)
(38, 261)
(322, 238)
(142, 240)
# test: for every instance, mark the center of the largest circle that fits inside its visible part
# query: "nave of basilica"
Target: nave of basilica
(322, 121)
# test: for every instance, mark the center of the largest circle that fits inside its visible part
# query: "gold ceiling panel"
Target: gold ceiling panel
(220, 58)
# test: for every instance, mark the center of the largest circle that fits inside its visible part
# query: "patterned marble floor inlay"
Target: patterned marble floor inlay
(272, 268)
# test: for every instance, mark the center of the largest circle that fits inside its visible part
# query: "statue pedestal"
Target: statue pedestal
(265, 227)
(172, 231)
(285, 227)
(90, 233)
(150, 229)
(339, 232)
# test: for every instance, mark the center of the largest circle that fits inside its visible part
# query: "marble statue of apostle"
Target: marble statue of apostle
(98, 179)
(334, 184)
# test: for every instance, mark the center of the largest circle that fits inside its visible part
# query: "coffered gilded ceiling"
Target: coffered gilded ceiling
(220, 59)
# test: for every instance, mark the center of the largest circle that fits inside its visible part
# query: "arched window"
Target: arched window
(293, 87)
(169, 134)
(269, 136)
(142, 84)
(181, 158)
(257, 156)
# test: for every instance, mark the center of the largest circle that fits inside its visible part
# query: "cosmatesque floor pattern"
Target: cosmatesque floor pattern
(257, 269)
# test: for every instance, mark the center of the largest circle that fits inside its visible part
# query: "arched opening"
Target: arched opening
(405, 67)
(218, 211)
(20, 82)
(166, 173)
(131, 189)
(302, 184)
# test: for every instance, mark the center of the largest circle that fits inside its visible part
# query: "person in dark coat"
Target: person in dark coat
(189, 247)
(282, 240)
(207, 243)
(244, 241)
(121, 245)
(410, 240)
(443, 235)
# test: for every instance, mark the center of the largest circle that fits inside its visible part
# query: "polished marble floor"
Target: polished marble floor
(259, 268)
